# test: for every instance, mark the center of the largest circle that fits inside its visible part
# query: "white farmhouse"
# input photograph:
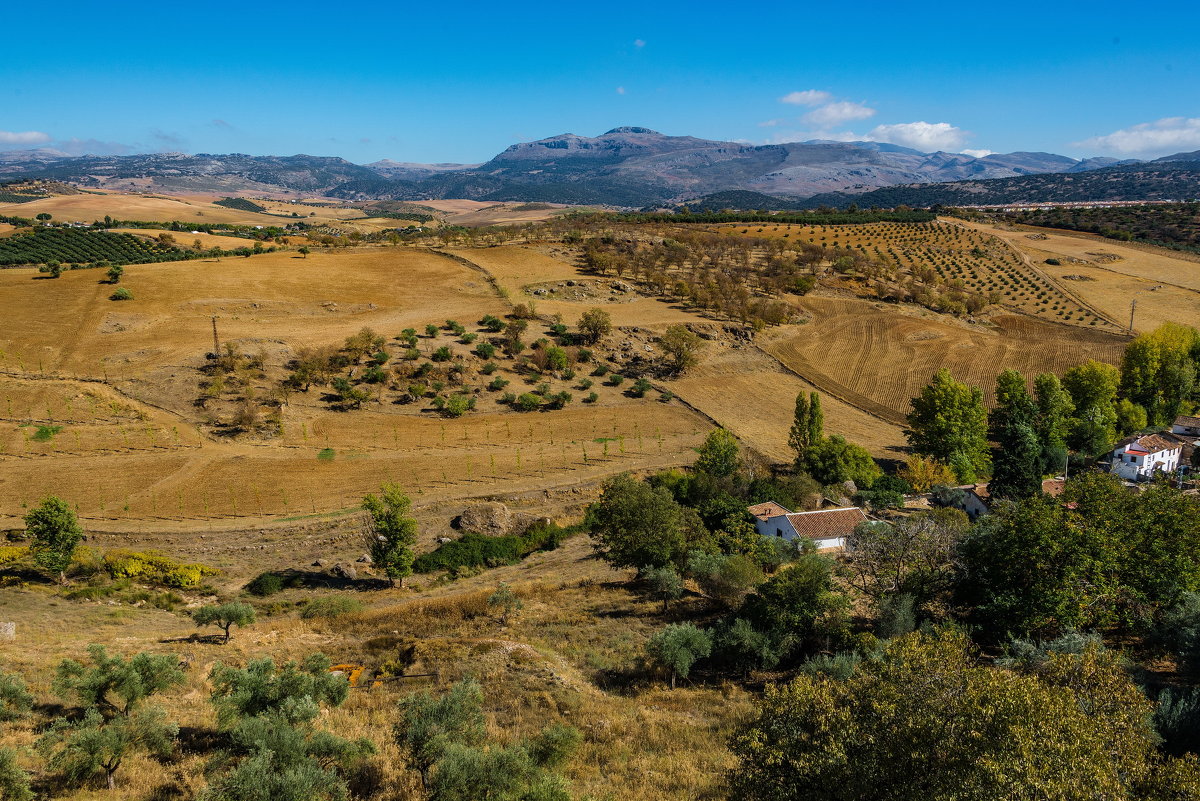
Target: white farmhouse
(1142, 457)
(1186, 426)
(827, 528)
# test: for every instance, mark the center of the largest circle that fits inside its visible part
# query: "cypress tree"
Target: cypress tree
(798, 437)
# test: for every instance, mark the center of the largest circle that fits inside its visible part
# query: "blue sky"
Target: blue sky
(461, 81)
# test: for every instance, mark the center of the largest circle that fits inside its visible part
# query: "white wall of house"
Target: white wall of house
(835, 542)
(1131, 466)
(1187, 431)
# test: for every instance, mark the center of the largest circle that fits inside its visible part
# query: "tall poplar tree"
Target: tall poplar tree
(1017, 462)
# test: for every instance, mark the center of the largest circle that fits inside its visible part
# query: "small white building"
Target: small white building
(1186, 426)
(1142, 457)
(827, 528)
(976, 500)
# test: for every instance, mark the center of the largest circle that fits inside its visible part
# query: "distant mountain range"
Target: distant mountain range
(628, 166)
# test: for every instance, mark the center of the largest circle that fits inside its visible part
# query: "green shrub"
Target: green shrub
(497, 384)
(265, 584)
(121, 294)
(529, 402)
(477, 550)
(331, 606)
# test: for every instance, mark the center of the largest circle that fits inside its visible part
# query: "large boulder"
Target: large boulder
(491, 519)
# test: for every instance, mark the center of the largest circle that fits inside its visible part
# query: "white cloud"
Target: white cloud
(976, 153)
(1162, 137)
(925, 136)
(769, 123)
(834, 114)
(620, 90)
(639, 42)
(23, 137)
(809, 97)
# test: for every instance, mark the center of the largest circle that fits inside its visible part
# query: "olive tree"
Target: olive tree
(224, 616)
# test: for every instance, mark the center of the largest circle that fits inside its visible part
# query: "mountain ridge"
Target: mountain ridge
(627, 166)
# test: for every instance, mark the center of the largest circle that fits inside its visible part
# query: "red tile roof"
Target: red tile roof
(1153, 443)
(767, 509)
(827, 523)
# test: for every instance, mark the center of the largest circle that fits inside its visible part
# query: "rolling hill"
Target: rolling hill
(627, 166)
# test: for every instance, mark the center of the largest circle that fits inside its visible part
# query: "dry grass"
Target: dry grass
(568, 656)
(89, 207)
(878, 357)
(1115, 281)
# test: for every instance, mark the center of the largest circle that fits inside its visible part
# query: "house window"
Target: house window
(778, 532)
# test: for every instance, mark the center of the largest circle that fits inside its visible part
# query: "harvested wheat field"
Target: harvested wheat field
(877, 357)
(151, 208)
(753, 395)
(1109, 274)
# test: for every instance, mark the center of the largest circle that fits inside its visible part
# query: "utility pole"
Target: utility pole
(216, 342)
(1133, 304)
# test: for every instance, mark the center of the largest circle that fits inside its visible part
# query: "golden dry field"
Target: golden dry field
(107, 393)
(878, 356)
(151, 208)
(1110, 274)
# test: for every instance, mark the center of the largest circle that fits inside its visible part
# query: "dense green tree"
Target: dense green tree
(833, 460)
(390, 532)
(114, 682)
(56, 534)
(94, 746)
(744, 648)
(718, 456)
(725, 578)
(1131, 417)
(276, 757)
(1053, 423)
(677, 647)
(224, 616)
(808, 425)
(794, 604)
(798, 435)
(1093, 389)
(1097, 557)
(928, 722)
(114, 274)
(522, 771)
(948, 421)
(637, 525)
(1018, 459)
(1159, 371)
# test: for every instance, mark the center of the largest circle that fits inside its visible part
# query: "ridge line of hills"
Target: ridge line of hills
(637, 167)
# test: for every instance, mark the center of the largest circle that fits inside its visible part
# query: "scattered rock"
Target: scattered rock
(444, 540)
(344, 571)
(366, 559)
(321, 563)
